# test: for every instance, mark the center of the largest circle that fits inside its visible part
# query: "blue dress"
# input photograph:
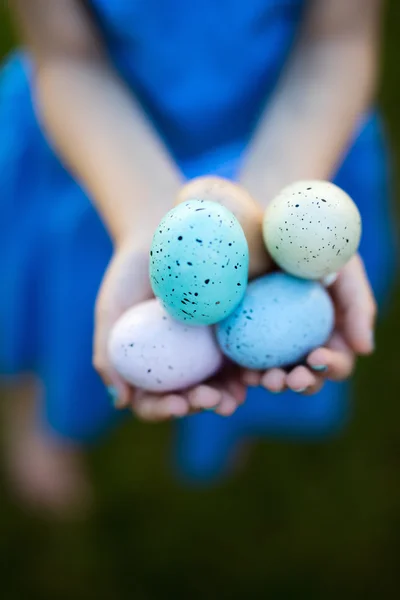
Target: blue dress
(203, 70)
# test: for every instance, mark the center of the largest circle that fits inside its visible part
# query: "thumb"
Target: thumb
(118, 389)
(356, 306)
(126, 283)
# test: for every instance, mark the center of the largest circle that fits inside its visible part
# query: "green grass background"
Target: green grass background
(303, 521)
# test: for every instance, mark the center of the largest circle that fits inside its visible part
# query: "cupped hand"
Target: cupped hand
(125, 284)
(355, 309)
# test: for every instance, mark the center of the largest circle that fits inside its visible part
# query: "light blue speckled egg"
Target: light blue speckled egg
(199, 262)
(280, 320)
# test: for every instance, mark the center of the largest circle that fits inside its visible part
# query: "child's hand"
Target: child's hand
(125, 284)
(355, 318)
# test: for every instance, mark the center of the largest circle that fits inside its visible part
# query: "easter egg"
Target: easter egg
(279, 322)
(199, 262)
(312, 229)
(152, 351)
(236, 199)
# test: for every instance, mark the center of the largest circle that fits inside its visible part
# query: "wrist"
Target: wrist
(134, 238)
(142, 216)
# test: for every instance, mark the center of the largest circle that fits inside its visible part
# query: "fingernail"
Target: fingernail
(300, 391)
(113, 393)
(178, 409)
(319, 368)
(212, 408)
(329, 280)
(372, 340)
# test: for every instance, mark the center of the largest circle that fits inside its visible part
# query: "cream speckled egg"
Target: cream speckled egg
(152, 351)
(312, 229)
(199, 262)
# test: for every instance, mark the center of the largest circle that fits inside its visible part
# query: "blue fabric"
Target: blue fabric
(208, 444)
(204, 70)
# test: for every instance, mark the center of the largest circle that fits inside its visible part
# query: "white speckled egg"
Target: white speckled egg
(153, 352)
(199, 262)
(312, 229)
(279, 322)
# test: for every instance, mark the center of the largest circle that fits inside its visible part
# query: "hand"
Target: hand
(125, 284)
(355, 318)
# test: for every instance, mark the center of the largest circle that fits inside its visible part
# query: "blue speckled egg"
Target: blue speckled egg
(280, 320)
(199, 262)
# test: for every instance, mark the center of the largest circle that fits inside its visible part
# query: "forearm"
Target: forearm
(100, 132)
(309, 123)
(92, 119)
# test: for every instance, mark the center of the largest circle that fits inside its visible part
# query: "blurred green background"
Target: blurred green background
(303, 521)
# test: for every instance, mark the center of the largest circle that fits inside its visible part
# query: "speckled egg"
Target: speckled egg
(312, 229)
(199, 262)
(152, 351)
(247, 211)
(280, 320)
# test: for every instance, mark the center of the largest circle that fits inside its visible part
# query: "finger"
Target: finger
(336, 362)
(329, 280)
(314, 389)
(107, 311)
(203, 397)
(251, 378)
(119, 391)
(274, 380)
(117, 388)
(229, 380)
(154, 408)
(126, 282)
(301, 379)
(356, 305)
(232, 391)
(237, 389)
(227, 405)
